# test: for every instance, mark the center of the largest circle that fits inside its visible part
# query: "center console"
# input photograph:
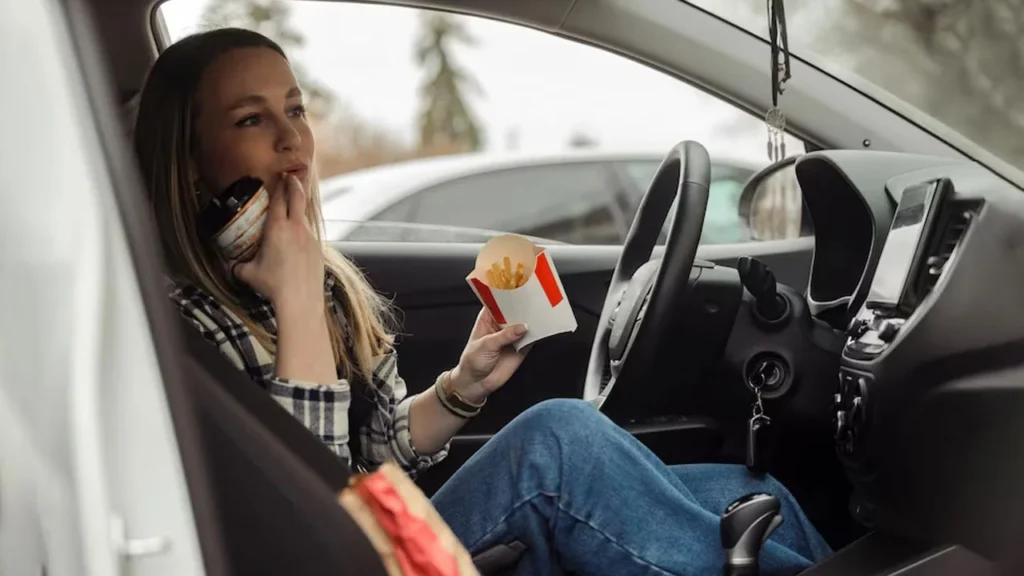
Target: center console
(899, 285)
(907, 269)
(922, 240)
(927, 415)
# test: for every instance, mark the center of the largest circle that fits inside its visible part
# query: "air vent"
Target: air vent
(949, 233)
(606, 378)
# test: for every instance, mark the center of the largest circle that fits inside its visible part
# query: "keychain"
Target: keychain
(757, 426)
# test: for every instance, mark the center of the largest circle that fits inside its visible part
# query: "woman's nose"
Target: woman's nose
(288, 137)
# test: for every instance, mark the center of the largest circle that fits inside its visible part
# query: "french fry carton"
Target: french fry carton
(517, 282)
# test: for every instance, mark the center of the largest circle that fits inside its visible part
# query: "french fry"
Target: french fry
(518, 279)
(498, 281)
(503, 277)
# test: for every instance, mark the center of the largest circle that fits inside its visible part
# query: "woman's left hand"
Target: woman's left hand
(489, 359)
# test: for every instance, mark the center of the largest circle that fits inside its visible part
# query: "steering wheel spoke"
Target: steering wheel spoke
(627, 313)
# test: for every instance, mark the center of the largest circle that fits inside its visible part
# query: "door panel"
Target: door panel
(437, 310)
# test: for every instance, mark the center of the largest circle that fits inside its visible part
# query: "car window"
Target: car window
(386, 226)
(459, 91)
(571, 203)
(723, 221)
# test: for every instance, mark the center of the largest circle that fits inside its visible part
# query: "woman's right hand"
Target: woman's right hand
(288, 269)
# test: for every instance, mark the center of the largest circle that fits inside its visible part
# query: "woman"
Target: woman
(304, 324)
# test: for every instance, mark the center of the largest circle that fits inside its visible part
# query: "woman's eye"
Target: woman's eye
(250, 120)
(299, 111)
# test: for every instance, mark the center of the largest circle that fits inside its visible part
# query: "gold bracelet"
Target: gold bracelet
(452, 400)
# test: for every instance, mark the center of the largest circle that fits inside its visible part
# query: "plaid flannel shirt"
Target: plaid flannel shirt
(322, 407)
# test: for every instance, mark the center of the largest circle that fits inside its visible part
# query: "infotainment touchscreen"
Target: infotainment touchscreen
(912, 219)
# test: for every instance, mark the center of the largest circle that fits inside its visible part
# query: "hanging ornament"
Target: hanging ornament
(778, 39)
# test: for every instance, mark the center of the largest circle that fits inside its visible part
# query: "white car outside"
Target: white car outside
(576, 197)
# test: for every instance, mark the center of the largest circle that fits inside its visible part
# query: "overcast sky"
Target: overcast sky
(544, 87)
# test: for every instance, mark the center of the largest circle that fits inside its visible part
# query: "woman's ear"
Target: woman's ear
(202, 195)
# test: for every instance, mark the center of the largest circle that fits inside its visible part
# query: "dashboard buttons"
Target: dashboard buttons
(857, 412)
(842, 424)
(870, 334)
(858, 328)
(887, 332)
(849, 413)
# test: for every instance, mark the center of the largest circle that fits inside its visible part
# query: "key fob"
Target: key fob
(756, 429)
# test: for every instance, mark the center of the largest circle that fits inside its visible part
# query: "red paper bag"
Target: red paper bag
(403, 526)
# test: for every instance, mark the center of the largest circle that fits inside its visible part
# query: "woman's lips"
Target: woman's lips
(299, 173)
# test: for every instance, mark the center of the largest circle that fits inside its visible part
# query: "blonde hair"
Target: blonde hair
(165, 141)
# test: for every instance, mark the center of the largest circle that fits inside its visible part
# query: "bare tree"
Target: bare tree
(959, 61)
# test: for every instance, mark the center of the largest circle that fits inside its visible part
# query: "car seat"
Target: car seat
(275, 483)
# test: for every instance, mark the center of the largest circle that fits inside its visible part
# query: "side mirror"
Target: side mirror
(772, 204)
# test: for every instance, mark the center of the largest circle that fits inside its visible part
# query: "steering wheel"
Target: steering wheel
(645, 297)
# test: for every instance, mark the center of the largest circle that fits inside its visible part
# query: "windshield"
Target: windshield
(959, 62)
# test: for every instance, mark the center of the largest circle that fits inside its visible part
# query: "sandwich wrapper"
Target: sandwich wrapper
(540, 302)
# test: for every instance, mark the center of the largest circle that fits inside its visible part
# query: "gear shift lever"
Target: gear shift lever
(745, 525)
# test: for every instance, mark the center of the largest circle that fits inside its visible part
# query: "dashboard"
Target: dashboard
(922, 266)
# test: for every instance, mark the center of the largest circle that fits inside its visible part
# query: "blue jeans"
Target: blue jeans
(586, 497)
